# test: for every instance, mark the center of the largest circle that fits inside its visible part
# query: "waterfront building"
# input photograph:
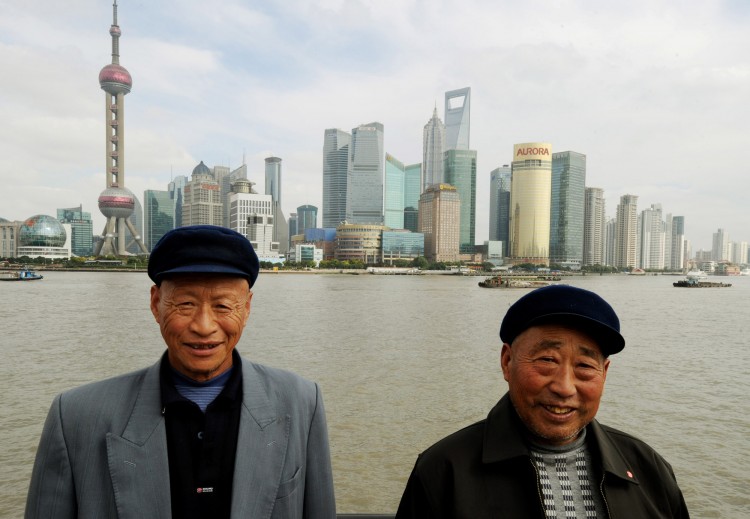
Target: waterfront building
(461, 172)
(335, 166)
(226, 177)
(81, 230)
(439, 221)
(433, 145)
(457, 119)
(273, 188)
(393, 200)
(323, 238)
(500, 204)
(530, 201)
(8, 238)
(610, 231)
(412, 190)
(739, 253)
(494, 252)
(401, 245)
(251, 214)
(594, 222)
(720, 245)
(307, 218)
(177, 194)
(651, 239)
(293, 226)
(306, 252)
(202, 204)
(158, 216)
(675, 235)
(358, 242)
(567, 212)
(44, 236)
(626, 232)
(116, 202)
(364, 185)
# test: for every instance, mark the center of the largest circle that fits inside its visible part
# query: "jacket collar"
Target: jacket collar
(504, 440)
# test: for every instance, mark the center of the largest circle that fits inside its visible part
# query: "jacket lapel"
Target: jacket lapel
(138, 464)
(261, 449)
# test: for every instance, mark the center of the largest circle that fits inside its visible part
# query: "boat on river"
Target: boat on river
(20, 275)
(698, 279)
(510, 282)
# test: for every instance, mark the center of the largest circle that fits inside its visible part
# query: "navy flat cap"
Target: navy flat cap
(566, 305)
(203, 249)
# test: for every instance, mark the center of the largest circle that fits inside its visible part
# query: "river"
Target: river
(403, 361)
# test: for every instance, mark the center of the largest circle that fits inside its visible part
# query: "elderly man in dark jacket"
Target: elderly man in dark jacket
(540, 452)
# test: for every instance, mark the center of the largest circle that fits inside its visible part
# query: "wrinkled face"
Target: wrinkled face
(556, 379)
(201, 319)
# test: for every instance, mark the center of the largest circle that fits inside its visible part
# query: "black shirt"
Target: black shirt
(201, 446)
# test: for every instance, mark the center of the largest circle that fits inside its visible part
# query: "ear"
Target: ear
(155, 298)
(247, 307)
(506, 355)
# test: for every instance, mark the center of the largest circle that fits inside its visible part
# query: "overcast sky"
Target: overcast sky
(655, 93)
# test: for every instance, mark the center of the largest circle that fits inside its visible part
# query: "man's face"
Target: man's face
(201, 319)
(556, 378)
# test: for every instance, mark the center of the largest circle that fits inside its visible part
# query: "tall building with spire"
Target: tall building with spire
(433, 145)
(116, 202)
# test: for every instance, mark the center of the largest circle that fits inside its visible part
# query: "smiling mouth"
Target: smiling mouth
(202, 346)
(558, 410)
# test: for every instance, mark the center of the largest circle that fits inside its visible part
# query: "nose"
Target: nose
(203, 322)
(564, 382)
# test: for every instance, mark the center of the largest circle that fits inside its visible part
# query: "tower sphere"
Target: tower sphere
(116, 202)
(115, 79)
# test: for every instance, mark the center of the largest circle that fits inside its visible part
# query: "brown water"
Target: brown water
(402, 362)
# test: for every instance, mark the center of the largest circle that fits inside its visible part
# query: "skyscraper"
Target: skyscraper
(158, 216)
(394, 192)
(626, 232)
(335, 165)
(433, 145)
(720, 246)
(676, 242)
(273, 178)
(439, 215)
(412, 190)
(177, 194)
(116, 202)
(530, 202)
(251, 214)
(273, 188)
(457, 119)
(567, 208)
(226, 177)
(81, 229)
(500, 205)
(593, 227)
(461, 172)
(651, 236)
(307, 218)
(202, 204)
(364, 186)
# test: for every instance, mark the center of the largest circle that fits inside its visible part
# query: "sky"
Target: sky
(656, 94)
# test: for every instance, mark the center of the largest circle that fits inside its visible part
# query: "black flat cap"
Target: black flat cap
(566, 305)
(203, 249)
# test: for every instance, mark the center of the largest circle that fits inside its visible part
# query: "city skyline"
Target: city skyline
(652, 94)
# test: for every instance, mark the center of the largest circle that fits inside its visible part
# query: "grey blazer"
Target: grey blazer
(103, 451)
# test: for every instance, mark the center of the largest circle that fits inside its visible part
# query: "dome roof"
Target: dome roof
(41, 231)
(202, 169)
(115, 79)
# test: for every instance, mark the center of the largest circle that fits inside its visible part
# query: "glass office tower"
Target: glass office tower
(335, 165)
(364, 185)
(394, 193)
(433, 145)
(81, 230)
(461, 172)
(500, 205)
(567, 208)
(412, 190)
(457, 119)
(158, 216)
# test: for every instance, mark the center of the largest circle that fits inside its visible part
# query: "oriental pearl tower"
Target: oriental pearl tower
(116, 202)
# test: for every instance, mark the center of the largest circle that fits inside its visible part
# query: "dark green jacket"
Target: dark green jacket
(485, 470)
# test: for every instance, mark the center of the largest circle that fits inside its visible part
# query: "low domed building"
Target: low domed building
(43, 235)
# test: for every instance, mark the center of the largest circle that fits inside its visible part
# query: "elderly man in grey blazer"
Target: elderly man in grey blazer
(203, 433)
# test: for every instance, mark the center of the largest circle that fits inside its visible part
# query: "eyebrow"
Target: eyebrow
(547, 344)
